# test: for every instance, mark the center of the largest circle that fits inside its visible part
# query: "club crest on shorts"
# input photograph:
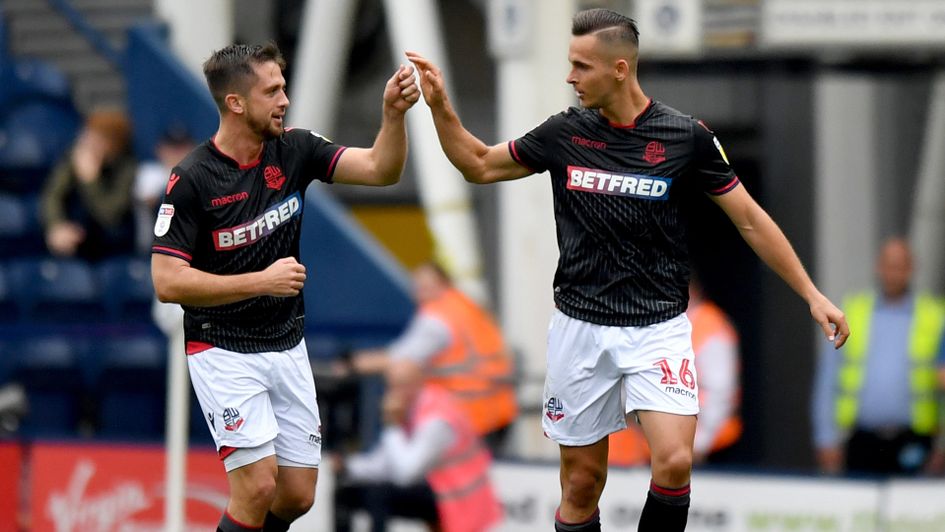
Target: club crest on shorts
(554, 409)
(232, 420)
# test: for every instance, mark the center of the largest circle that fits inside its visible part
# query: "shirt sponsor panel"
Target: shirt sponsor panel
(259, 228)
(614, 184)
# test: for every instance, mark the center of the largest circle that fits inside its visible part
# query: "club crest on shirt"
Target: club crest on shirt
(274, 177)
(163, 223)
(654, 153)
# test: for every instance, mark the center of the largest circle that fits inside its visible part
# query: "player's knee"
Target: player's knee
(295, 505)
(583, 486)
(259, 492)
(673, 467)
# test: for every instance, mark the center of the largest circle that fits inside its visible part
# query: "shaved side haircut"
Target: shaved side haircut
(609, 26)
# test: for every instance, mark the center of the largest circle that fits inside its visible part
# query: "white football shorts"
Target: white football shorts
(597, 374)
(249, 399)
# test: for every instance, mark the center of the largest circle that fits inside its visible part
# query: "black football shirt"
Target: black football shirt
(617, 202)
(225, 218)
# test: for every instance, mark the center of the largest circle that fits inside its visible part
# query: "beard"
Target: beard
(264, 127)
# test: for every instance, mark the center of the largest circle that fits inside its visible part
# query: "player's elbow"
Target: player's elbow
(164, 287)
(475, 178)
(478, 175)
(164, 292)
(389, 179)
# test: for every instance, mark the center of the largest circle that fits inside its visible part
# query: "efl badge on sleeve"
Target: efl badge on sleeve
(718, 146)
(163, 223)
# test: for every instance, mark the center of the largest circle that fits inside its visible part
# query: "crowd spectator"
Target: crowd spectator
(86, 202)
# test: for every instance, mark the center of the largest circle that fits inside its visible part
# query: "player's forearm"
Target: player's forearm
(769, 243)
(389, 152)
(462, 148)
(196, 288)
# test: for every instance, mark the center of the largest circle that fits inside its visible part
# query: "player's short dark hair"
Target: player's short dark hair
(230, 69)
(607, 25)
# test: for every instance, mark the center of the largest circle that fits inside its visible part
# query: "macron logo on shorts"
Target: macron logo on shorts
(255, 230)
(631, 185)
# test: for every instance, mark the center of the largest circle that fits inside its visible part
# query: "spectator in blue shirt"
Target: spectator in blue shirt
(875, 407)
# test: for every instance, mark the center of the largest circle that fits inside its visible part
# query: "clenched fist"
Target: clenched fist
(283, 278)
(401, 91)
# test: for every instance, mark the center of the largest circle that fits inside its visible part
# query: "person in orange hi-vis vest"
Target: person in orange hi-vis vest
(715, 343)
(427, 435)
(461, 349)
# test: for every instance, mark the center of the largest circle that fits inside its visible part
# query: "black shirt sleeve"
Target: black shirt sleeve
(710, 167)
(319, 155)
(178, 217)
(534, 149)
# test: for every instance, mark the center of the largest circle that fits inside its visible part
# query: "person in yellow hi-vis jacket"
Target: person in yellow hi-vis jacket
(874, 407)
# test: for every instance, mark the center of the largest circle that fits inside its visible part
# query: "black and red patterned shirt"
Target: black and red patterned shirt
(225, 218)
(617, 202)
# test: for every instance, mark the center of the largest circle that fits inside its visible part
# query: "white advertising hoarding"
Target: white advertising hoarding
(720, 503)
(853, 23)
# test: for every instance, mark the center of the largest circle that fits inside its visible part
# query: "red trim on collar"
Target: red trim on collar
(213, 140)
(633, 124)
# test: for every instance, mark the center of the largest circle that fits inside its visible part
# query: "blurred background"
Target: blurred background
(832, 113)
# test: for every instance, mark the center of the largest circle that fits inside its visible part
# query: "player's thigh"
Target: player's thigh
(232, 391)
(667, 434)
(584, 458)
(660, 369)
(293, 400)
(582, 402)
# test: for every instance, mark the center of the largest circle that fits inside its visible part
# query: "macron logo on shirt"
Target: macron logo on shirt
(631, 185)
(253, 231)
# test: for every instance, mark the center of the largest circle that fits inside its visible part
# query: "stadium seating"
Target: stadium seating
(49, 368)
(7, 361)
(126, 286)
(27, 78)
(20, 233)
(56, 290)
(34, 134)
(132, 386)
(9, 311)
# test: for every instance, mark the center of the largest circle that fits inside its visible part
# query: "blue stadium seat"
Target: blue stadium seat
(56, 290)
(126, 284)
(28, 78)
(7, 361)
(48, 368)
(132, 387)
(13, 216)
(20, 233)
(9, 311)
(34, 134)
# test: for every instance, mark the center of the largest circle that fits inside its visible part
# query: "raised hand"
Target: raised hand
(401, 91)
(431, 80)
(283, 278)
